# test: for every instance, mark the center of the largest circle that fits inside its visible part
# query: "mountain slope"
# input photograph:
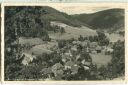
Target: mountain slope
(107, 19)
(44, 13)
(40, 17)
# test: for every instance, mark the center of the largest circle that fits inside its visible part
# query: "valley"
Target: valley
(42, 43)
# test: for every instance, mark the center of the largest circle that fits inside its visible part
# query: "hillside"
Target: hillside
(108, 19)
(71, 32)
(45, 13)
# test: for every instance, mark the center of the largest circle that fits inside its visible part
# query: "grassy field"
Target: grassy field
(115, 37)
(100, 59)
(72, 32)
(42, 48)
(30, 41)
(39, 46)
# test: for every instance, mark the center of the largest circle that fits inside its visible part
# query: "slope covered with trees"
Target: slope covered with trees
(111, 19)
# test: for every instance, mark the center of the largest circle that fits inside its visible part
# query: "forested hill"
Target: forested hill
(43, 13)
(37, 19)
(107, 19)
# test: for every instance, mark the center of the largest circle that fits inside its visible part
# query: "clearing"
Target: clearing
(71, 32)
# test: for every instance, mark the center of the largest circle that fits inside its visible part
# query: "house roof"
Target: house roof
(69, 63)
(94, 43)
(74, 48)
(74, 69)
(98, 48)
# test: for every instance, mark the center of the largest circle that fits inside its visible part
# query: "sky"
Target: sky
(80, 9)
(77, 8)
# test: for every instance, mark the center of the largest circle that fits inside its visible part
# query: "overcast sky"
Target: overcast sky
(78, 8)
(84, 8)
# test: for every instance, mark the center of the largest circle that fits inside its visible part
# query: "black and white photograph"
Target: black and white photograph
(64, 43)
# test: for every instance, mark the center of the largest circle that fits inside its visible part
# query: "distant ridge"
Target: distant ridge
(106, 19)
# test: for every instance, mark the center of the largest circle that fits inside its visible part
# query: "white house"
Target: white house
(27, 58)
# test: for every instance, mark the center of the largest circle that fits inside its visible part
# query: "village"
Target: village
(73, 54)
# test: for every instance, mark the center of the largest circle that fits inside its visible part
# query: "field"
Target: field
(100, 59)
(114, 37)
(38, 46)
(72, 32)
(30, 41)
(42, 48)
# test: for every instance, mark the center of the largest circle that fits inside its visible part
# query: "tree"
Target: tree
(102, 39)
(61, 43)
(62, 30)
(118, 59)
(31, 72)
(81, 38)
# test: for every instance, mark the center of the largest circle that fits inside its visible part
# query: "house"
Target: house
(27, 58)
(86, 68)
(87, 49)
(77, 57)
(74, 69)
(93, 45)
(86, 63)
(78, 42)
(74, 42)
(98, 49)
(69, 64)
(74, 48)
(72, 66)
(84, 44)
(65, 58)
(109, 50)
(93, 51)
(68, 53)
